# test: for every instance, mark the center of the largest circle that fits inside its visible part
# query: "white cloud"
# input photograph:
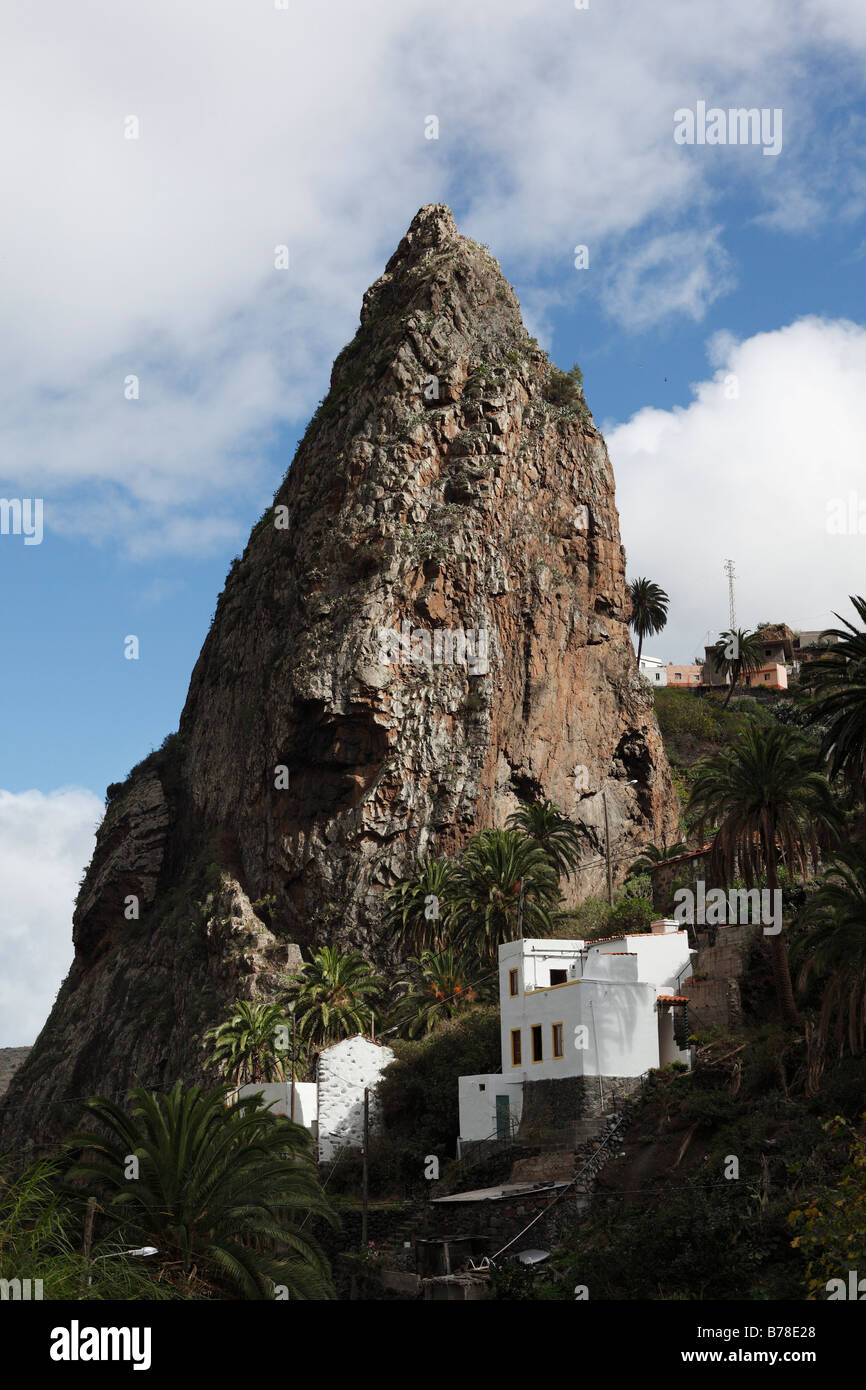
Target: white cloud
(750, 476)
(45, 842)
(305, 126)
(678, 274)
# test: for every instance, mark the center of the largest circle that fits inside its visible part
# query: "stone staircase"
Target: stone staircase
(563, 1153)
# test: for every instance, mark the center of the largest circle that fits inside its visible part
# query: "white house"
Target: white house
(343, 1071)
(654, 670)
(332, 1106)
(572, 1009)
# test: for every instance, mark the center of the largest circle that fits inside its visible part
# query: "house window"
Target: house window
(512, 983)
(658, 676)
(558, 977)
(678, 675)
(766, 678)
(558, 1050)
(482, 1085)
(537, 1044)
(516, 1049)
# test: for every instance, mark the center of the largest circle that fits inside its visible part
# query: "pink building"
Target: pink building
(770, 677)
(683, 675)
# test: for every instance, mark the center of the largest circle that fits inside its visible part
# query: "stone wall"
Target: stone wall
(555, 1105)
(683, 869)
(717, 999)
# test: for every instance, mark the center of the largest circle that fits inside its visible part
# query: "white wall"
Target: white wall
(653, 669)
(477, 1098)
(622, 1027)
(343, 1071)
(611, 993)
(663, 957)
(278, 1097)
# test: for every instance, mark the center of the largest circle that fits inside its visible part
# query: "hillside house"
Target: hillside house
(332, 1106)
(778, 647)
(809, 649)
(599, 1014)
(653, 669)
(682, 676)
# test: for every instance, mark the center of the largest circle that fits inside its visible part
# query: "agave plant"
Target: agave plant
(220, 1189)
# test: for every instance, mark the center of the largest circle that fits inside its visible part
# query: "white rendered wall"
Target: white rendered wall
(278, 1097)
(664, 958)
(343, 1071)
(478, 1106)
(609, 1003)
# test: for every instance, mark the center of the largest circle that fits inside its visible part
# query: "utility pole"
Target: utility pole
(293, 1065)
(607, 852)
(520, 911)
(88, 1240)
(365, 1175)
(729, 571)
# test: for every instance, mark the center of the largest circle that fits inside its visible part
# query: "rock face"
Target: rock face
(428, 627)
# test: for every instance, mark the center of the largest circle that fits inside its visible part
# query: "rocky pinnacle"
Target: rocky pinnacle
(427, 628)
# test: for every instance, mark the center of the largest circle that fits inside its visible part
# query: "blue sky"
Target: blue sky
(306, 127)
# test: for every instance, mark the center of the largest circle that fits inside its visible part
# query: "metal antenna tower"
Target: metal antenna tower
(729, 571)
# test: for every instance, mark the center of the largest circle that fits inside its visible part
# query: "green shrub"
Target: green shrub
(630, 915)
(564, 388)
(418, 1092)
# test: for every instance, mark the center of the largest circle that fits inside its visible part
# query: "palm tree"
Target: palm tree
(835, 950)
(333, 995)
(559, 837)
(441, 985)
(419, 908)
(651, 855)
(503, 886)
(737, 653)
(839, 683)
(768, 803)
(649, 610)
(219, 1188)
(247, 1043)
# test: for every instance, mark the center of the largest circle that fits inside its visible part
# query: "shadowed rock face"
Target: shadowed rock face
(451, 498)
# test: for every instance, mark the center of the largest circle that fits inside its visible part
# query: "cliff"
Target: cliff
(428, 627)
